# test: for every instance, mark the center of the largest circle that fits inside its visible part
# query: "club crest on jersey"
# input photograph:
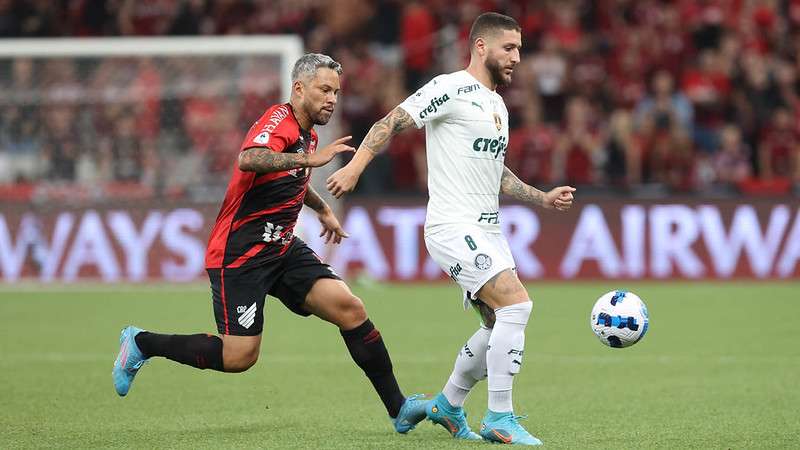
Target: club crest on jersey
(497, 122)
(483, 261)
(262, 138)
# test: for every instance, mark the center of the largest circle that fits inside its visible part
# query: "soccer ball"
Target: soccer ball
(619, 319)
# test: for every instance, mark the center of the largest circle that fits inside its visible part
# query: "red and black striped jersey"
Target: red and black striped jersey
(258, 215)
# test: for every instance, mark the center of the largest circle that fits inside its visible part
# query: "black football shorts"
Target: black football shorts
(238, 293)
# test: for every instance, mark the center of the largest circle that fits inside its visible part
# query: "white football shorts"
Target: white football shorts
(469, 255)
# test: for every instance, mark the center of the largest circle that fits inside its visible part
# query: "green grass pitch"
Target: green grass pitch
(718, 369)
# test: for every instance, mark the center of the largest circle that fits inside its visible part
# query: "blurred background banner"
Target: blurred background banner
(611, 238)
(678, 122)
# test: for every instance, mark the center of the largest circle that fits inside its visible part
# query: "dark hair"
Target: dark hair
(490, 22)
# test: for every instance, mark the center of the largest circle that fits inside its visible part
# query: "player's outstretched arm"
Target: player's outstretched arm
(344, 180)
(559, 198)
(331, 229)
(264, 160)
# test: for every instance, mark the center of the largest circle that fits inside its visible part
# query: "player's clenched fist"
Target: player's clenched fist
(342, 181)
(324, 156)
(559, 198)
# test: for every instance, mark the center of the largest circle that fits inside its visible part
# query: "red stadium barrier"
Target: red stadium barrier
(610, 239)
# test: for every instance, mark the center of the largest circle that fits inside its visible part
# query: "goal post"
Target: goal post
(121, 115)
(288, 47)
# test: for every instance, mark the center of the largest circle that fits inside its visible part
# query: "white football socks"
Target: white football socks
(470, 367)
(504, 355)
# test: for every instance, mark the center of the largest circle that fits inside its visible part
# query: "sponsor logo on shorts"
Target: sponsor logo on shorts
(454, 271)
(489, 217)
(483, 261)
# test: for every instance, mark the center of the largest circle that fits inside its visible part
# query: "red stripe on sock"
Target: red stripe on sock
(373, 336)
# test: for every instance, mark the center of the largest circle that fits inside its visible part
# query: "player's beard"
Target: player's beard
(322, 117)
(496, 72)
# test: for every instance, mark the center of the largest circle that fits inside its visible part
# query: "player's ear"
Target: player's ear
(480, 46)
(297, 87)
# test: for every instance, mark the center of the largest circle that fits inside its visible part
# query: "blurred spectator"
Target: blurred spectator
(624, 150)
(60, 147)
(417, 35)
(145, 17)
(39, 18)
(550, 71)
(192, 19)
(564, 29)
(665, 107)
(671, 161)
(19, 126)
(757, 94)
(9, 19)
(578, 151)
(732, 161)
(707, 86)
(124, 152)
(779, 151)
(531, 147)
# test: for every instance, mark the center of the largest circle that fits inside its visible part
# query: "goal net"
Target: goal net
(110, 118)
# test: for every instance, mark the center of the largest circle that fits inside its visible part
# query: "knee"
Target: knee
(352, 312)
(240, 360)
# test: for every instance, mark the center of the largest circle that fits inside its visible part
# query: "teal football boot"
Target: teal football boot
(129, 360)
(411, 413)
(452, 418)
(505, 429)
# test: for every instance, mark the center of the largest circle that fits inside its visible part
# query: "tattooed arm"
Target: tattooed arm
(314, 201)
(264, 160)
(345, 179)
(396, 121)
(559, 198)
(515, 188)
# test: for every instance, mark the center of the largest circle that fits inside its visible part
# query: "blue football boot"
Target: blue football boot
(452, 418)
(411, 413)
(505, 429)
(129, 360)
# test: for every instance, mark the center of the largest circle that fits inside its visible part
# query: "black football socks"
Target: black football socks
(366, 347)
(203, 351)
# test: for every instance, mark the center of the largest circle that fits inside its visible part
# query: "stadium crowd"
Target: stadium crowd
(653, 96)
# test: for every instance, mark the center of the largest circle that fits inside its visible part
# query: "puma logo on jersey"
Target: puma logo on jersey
(434, 106)
(494, 147)
(477, 105)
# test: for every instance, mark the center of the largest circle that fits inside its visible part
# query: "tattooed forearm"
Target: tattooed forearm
(314, 201)
(264, 160)
(514, 187)
(380, 133)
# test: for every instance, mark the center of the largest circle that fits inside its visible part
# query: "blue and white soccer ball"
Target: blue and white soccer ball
(619, 319)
